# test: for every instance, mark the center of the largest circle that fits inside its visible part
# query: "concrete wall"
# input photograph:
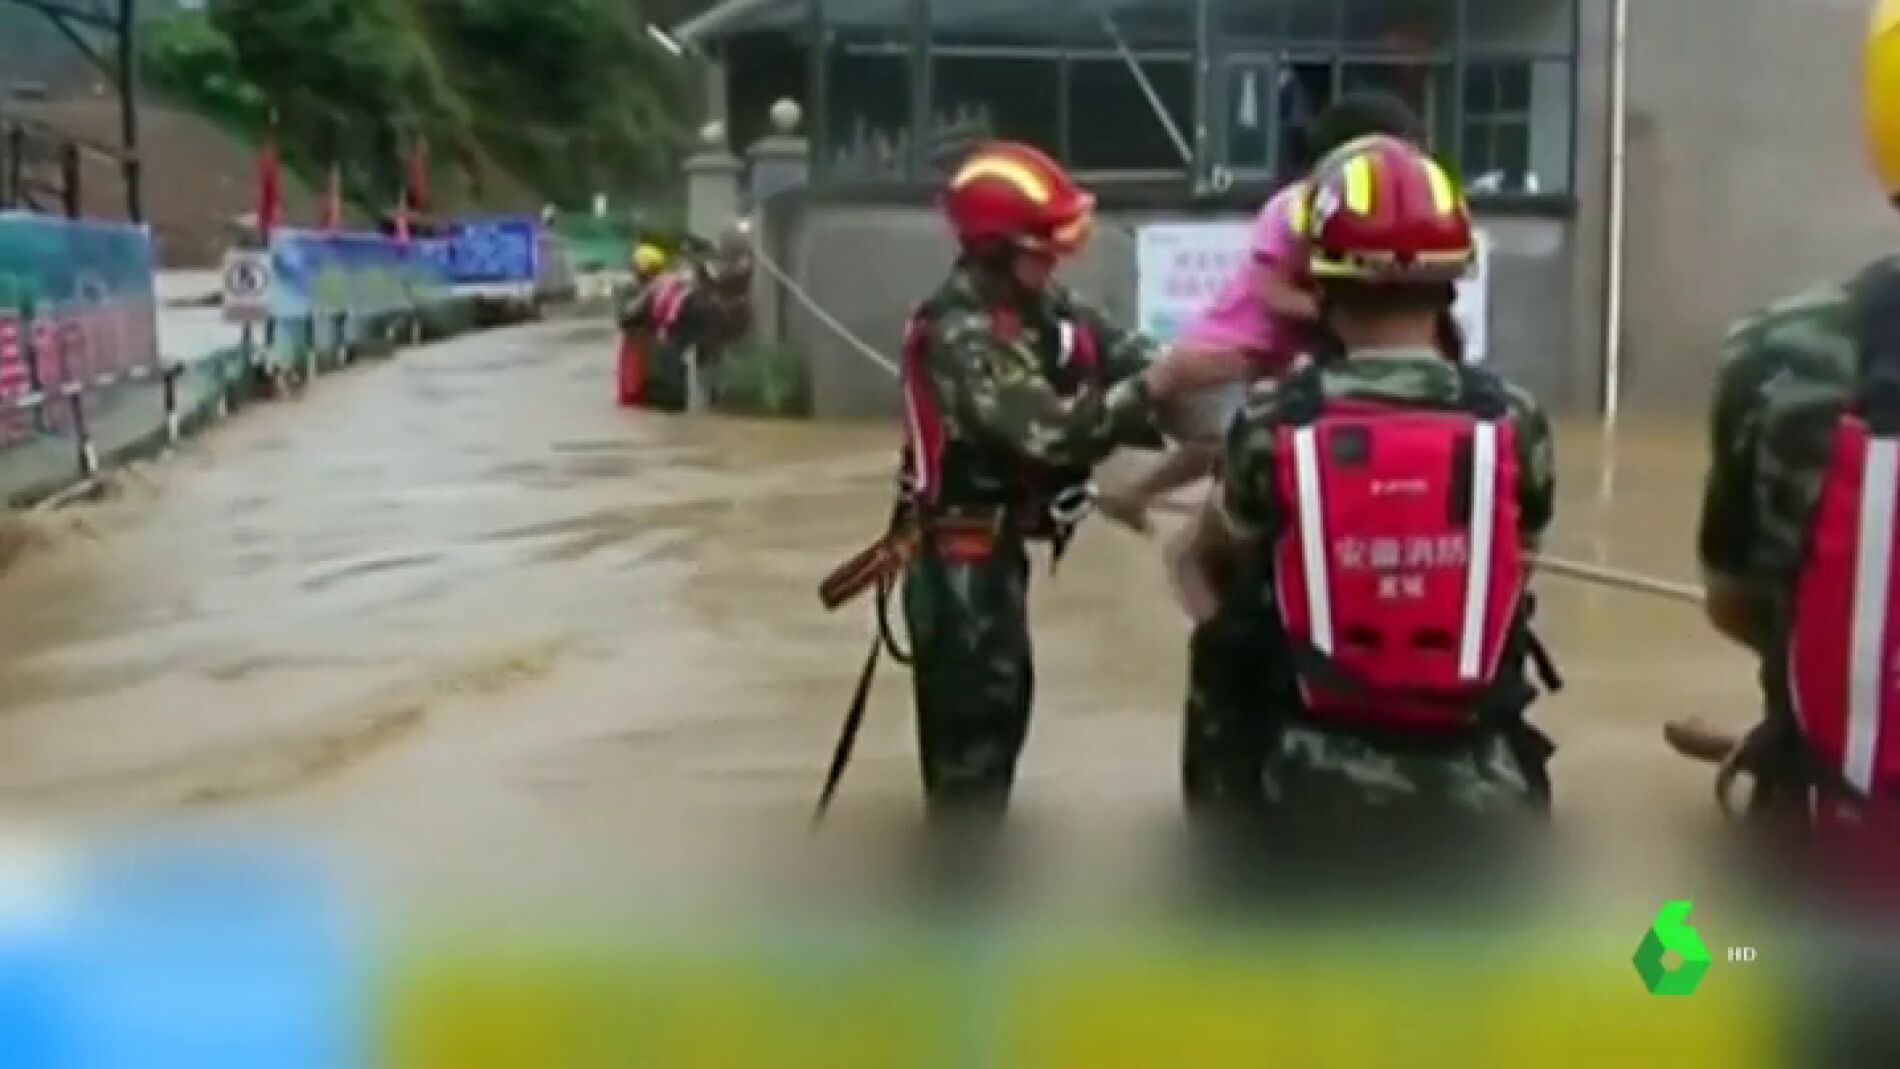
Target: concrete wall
(1746, 178)
(867, 266)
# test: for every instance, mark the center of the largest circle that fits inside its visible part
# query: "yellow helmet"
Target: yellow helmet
(648, 259)
(1881, 104)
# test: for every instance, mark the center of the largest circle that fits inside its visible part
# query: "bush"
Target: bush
(758, 378)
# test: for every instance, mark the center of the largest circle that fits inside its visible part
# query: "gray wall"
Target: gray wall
(1746, 177)
(867, 266)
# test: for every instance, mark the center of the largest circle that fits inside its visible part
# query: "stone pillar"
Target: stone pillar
(779, 161)
(714, 83)
(712, 184)
(782, 159)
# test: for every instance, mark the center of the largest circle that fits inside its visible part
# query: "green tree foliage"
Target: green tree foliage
(563, 96)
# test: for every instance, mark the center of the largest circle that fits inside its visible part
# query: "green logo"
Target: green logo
(1669, 932)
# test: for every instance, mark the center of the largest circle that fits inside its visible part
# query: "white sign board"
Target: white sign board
(246, 286)
(1181, 266)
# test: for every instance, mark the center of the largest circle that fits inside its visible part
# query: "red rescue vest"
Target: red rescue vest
(1843, 655)
(1399, 575)
(924, 438)
(669, 299)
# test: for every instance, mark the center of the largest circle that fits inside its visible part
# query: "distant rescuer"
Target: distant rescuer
(694, 312)
(1378, 505)
(1013, 390)
(1797, 535)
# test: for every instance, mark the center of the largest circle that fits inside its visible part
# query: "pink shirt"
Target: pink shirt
(1237, 318)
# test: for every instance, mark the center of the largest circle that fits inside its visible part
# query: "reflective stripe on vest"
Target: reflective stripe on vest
(1483, 524)
(1843, 642)
(1873, 567)
(924, 442)
(1484, 470)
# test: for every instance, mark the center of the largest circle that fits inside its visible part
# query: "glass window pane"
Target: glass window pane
(1251, 97)
(1304, 88)
(995, 72)
(1481, 89)
(1113, 127)
(1314, 21)
(868, 101)
(1000, 22)
(1514, 87)
(1401, 27)
(1252, 25)
(1140, 23)
(1530, 151)
(1521, 25)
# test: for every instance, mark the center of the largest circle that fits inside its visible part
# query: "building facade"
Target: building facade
(1742, 174)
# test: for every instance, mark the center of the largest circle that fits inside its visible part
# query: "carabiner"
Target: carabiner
(1072, 504)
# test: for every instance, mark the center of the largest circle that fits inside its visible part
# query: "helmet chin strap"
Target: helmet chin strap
(995, 261)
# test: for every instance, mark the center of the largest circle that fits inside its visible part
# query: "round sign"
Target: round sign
(246, 278)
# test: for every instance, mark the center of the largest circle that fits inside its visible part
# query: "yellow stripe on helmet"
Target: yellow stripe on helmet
(1297, 209)
(1880, 102)
(1023, 177)
(1358, 176)
(1444, 194)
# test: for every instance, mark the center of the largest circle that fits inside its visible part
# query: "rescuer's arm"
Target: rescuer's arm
(1127, 354)
(1241, 513)
(1188, 370)
(998, 390)
(1737, 604)
(1536, 469)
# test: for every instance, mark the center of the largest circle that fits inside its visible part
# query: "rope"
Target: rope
(779, 275)
(1618, 579)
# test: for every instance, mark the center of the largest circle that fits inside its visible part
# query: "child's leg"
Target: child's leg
(1196, 367)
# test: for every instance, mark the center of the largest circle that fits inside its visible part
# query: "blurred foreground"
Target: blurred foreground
(529, 697)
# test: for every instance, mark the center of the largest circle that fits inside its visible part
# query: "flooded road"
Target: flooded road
(459, 615)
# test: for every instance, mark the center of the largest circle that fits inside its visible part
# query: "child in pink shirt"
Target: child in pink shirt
(1259, 323)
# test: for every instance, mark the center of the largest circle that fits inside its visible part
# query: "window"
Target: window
(868, 128)
(1113, 126)
(1112, 87)
(991, 76)
(1517, 118)
(1126, 117)
(1498, 127)
(1492, 81)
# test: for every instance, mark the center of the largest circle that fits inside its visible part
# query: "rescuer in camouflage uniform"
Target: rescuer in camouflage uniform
(1006, 415)
(1787, 374)
(1245, 745)
(714, 312)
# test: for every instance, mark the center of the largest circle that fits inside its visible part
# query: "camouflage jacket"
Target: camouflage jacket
(1320, 773)
(996, 376)
(1787, 374)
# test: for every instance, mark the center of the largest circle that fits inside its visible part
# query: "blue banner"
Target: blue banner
(77, 305)
(496, 249)
(356, 274)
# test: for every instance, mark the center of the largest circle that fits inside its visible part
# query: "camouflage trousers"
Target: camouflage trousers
(972, 673)
(1240, 753)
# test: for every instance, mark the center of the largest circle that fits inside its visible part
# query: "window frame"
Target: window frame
(1217, 61)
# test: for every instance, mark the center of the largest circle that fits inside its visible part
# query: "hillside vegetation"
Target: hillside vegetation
(520, 101)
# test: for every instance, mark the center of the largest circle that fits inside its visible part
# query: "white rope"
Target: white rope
(818, 312)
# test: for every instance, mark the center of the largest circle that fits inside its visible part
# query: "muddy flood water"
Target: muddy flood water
(464, 620)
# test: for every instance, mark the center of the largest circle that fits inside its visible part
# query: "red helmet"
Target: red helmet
(1381, 211)
(1006, 190)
